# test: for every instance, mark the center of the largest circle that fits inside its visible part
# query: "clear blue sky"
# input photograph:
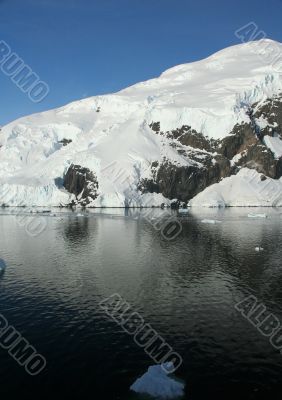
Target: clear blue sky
(86, 47)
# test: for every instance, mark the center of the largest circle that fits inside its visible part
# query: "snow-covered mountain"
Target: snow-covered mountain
(165, 139)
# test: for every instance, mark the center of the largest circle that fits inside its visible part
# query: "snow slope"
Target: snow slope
(111, 135)
(244, 189)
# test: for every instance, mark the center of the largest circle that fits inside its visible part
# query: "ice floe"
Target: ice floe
(259, 248)
(157, 383)
(256, 215)
(210, 221)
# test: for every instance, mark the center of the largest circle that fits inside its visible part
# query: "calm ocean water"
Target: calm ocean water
(186, 289)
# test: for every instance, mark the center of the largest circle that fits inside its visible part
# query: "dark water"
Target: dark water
(186, 289)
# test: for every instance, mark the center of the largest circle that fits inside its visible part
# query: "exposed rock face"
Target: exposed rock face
(247, 141)
(238, 141)
(183, 183)
(155, 126)
(187, 137)
(260, 158)
(65, 142)
(271, 112)
(212, 160)
(82, 183)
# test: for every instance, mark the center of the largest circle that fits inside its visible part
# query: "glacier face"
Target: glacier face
(112, 135)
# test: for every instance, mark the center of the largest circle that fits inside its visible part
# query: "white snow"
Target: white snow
(210, 95)
(262, 123)
(274, 144)
(236, 158)
(156, 382)
(243, 189)
(18, 195)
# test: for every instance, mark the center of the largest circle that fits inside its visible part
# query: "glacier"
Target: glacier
(111, 135)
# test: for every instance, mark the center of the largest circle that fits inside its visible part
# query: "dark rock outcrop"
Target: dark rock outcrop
(239, 139)
(184, 182)
(271, 111)
(261, 159)
(247, 142)
(155, 126)
(187, 137)
(82, 183)
(65, 142)
(211, 160)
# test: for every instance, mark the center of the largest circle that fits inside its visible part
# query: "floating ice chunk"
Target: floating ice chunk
(257, 215)
(183, 210)
(156, 382)
(210, 221)
(259, 248)
(2, 265)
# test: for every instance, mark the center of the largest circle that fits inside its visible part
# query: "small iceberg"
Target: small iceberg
(2, 266)
(183, 210)
(210, 221)
(156, 383)
(259, 248)
(257, 216)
